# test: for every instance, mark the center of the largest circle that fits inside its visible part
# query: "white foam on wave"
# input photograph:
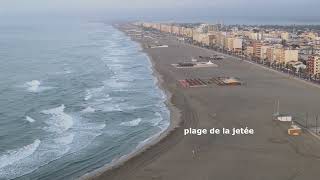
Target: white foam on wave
(156, 121)
(64, 140)
(137, 148)
(13, 156)
(69, 134)
(59, 120)
(113, 132)
(148, 140)
(134, 122)
(88, 110)
(91, 126)
(116, 83)
(104, 99)
(29, 119)
(52, 147)
(67, 72)
(93, 92)
(35, 86)
(64, 72)
(117, 52)
(107, 107)
(36, 155)
(88, 96)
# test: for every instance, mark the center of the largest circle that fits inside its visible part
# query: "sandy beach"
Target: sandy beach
(268, 154)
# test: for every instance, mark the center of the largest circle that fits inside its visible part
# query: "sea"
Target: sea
(74, 96)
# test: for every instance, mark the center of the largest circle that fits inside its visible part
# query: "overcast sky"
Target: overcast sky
(147, 8)
(89, 4)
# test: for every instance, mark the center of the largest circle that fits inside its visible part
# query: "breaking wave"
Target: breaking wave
(59, 120)
(64, 140)
(88, 110)
(126, 92)
(93, 92)
(13, 156)
(134, 122)
(34, 86)
(29, 119)
(156, 121)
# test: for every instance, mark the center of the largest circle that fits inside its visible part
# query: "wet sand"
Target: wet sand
(268, 154)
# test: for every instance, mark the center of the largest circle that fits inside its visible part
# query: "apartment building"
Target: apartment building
(270, 55)
(165, 28)
(313, 65)
(187, 32)
(257, 49)
(237, 44)
(176, 30)
(199, 37)
(249, 51)
(220, 39)
(255, 36)
(228, 43)
(285, 36)
(264, 52)
(288, 55)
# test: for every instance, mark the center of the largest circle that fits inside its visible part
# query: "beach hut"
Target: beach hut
(231, 81)
(283, 118)
(294, 130)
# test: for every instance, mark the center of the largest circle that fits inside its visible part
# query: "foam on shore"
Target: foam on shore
(132, 123)
(14, 156)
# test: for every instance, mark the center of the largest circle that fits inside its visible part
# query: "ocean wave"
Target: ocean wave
(64, 72)
(105, 99)
(93, 92)
(88, 110)
(132, 123)
(115, 67)
(156, 121)
(13, 156)
(29, 119)
(91, 127)
(59, 120)
(68, 72)
(35, 86)
(52, 147)
(141, 144)
(113, 132)
(110, 107)
(70, 133)
(116, 83)
(64, 140)
(35, 155)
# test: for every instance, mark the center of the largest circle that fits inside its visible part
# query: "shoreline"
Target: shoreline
(176, 156)
(174, 122)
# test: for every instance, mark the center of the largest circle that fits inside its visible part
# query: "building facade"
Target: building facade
(313, 65)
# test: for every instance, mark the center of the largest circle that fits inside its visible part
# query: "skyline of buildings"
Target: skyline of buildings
(297, 48)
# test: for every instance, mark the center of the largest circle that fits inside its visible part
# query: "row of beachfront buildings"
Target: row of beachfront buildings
(301, 50)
